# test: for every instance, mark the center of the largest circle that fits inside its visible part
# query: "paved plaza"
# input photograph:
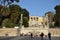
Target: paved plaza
(27, 38)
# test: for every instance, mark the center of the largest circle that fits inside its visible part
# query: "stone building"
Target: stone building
(42, 22)
(35, 21)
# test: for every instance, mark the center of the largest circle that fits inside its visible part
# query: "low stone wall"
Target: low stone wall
(54, 31)
(8, 32)
(13, 31)
(35, 31)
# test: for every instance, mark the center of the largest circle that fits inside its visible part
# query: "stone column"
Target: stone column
(21, 21)
(19, 29)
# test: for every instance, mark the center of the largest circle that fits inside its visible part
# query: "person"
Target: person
(31, 35)
(42, 34)
(49, 36)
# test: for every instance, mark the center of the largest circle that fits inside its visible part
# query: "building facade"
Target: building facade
(35, 21)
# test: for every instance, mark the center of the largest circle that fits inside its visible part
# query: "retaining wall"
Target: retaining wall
(13, 31)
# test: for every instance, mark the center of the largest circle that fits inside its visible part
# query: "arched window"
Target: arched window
(31, 18)
(37, 18)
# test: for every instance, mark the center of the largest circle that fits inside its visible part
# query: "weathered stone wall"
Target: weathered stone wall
(34, 30)
(8, 32)
(55, 31)
(13, 31)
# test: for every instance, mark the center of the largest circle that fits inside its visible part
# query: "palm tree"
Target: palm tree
(6, 11)
(5, 3)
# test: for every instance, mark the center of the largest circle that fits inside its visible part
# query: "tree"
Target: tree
(1, 14)
(57, 15)
(50, 18)
(6, 11)
(26, 14)
(15, 13)
(5, 4)
(14, 16)
(1, 7)
(7, 23)
(0, 18)
(25, 18)
(25, 22)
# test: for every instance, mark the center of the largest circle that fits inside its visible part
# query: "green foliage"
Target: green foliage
(25, 21)
(1, 8)
(6, 11)
(57, 16)
(11, 15)
(26, 13)
(50, 18)
(25, 18)
(17, 0)
(7, 23)
(15, 13)
(14, 16)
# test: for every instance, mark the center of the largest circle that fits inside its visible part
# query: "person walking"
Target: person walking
(42, 34)
(31, 35)
(49, 36)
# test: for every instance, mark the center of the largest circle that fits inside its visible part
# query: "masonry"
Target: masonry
(13, 31)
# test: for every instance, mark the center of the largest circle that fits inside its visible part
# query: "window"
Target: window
(31, 18)
(37, 18)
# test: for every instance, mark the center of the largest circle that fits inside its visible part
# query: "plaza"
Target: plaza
(29, 20)
(27, 38)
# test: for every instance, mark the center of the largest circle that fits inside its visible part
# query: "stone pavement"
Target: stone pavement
(27, 38)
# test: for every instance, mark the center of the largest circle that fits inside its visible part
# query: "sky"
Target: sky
(39, 7)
